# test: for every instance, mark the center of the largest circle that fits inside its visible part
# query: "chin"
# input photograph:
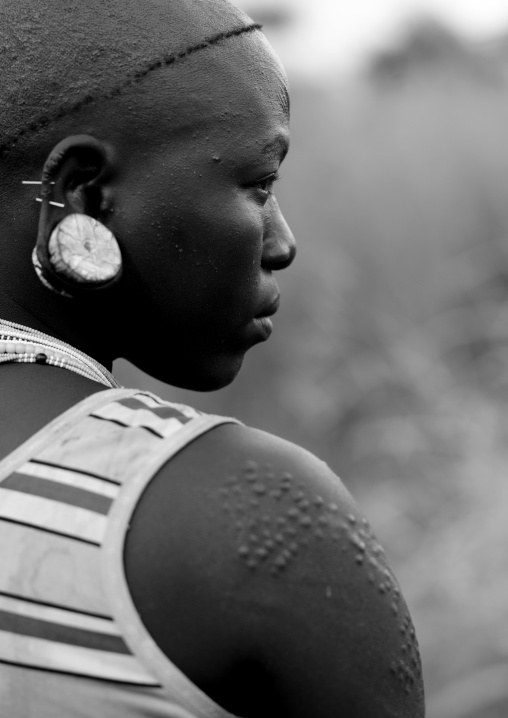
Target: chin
(213, 378)
(214, 375)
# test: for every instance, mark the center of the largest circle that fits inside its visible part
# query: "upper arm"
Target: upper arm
(279, 573)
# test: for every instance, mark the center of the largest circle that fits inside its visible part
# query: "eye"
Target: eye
(265, 185)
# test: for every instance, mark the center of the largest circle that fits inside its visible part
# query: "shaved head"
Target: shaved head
(166, 121)
(58, 56)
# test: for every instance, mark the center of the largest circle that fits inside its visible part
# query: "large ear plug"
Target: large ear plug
(77, 253)
(83, 251)
(81, 254)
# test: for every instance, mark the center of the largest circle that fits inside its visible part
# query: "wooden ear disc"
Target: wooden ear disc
(83, 251)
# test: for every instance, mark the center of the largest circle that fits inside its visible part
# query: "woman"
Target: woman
(155, 561)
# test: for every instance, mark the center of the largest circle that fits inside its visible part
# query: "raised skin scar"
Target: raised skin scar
(272, 540)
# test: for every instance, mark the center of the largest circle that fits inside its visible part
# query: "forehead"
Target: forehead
(236, 87)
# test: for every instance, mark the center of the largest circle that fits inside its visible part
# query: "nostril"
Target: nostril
(278, 256)
(287, 258)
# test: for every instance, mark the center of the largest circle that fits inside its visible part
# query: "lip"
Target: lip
(263, 327)
(270, 310)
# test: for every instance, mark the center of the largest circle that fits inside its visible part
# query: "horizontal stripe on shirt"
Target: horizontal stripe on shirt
(77, 660)
(71, 477)
(56, 614)
(53, 516)
(76, 470)
(58, 606)
(63, 493)
(19, 624)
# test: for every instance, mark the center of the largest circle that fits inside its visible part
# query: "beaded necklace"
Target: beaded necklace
(24, 345)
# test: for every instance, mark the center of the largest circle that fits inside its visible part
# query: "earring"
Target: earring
(81, 253)
(40, 273)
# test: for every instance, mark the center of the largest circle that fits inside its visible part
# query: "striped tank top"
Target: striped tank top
(72, 644)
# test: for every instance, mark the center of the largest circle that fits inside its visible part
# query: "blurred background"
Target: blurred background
(390, 355)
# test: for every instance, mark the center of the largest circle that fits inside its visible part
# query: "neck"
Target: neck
(76, 330)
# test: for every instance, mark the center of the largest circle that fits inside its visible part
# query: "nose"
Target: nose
(279, 246)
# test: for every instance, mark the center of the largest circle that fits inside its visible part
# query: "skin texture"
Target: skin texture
(247, 559)
(293, 596)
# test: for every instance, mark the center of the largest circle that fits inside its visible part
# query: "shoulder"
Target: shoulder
(279, 563)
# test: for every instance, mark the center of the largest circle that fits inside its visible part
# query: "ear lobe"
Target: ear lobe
(74, 251)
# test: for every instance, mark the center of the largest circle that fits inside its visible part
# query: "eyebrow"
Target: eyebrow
(286, 101)
(279, 145)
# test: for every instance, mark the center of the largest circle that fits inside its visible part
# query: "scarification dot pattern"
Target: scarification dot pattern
(275, 542)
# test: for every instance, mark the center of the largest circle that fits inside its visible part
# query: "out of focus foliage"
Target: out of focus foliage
(390, 356)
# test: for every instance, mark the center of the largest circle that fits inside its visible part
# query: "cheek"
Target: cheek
(222, 234)
(203, 264)
(195, 243)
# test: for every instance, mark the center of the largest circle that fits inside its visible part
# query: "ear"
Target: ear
(70, 239)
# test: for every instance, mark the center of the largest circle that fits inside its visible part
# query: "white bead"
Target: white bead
(33, 342)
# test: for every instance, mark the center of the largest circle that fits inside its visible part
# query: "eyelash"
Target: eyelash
(269, 180)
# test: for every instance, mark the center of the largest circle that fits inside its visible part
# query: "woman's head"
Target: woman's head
(190, 148)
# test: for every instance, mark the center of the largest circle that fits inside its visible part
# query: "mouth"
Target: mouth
(269, 310)
(262, 321)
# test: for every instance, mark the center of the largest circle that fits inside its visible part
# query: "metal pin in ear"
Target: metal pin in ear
(33, 182)
(55, 204)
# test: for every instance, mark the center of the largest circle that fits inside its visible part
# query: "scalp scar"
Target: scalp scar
(136, 76)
